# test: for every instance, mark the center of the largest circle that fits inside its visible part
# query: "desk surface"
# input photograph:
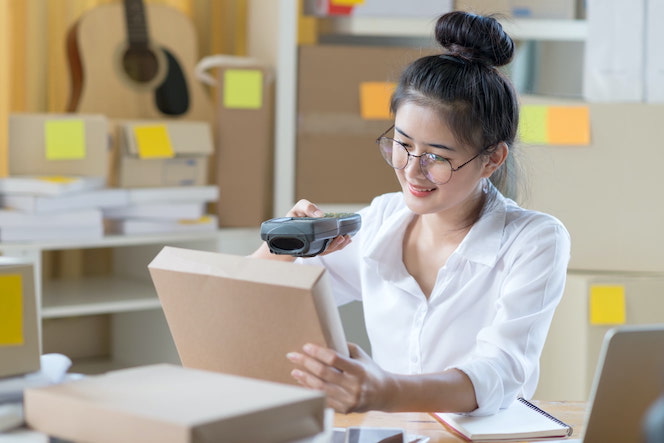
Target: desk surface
(572, 413)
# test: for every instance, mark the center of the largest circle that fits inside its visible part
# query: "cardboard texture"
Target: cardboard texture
(245, 145)
(170, 404)
(241, 315)
(20, 345)
(160, 153)
(58, 144)
(337, 158)
(611, 218)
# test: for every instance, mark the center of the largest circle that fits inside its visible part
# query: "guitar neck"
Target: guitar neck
(136, 22)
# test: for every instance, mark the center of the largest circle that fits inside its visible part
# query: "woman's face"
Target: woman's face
(421, 129)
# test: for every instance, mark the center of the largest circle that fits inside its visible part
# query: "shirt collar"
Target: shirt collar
(480, 245)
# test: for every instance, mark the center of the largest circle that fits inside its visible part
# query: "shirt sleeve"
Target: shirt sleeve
(507, 351)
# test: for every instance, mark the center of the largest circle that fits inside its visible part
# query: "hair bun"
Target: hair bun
(474, 37)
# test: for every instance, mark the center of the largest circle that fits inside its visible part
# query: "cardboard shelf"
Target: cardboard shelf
(90, 296)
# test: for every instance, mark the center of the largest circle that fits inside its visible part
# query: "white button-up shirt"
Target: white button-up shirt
(490, 309)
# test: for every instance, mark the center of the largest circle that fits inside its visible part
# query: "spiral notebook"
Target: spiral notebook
(521, 421)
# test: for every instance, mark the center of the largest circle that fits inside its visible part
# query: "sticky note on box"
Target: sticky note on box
(607, 305)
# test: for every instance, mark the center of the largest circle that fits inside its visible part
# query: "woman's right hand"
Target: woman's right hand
(304, 208)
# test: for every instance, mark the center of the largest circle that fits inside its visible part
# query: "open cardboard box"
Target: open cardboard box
(170, 404)
(20, 346)
(241, 315)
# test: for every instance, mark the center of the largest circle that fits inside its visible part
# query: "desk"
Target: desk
(572, 413)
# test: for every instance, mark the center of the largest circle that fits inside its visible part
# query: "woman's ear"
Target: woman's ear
(496, 157)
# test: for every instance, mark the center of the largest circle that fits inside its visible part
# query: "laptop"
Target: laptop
(628, 380)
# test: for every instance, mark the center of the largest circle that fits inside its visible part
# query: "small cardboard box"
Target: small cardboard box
(161, 153)
(241, 315)
(245, 144)
(338, 160)
(20, 346)
(58, 144)
(170, 404)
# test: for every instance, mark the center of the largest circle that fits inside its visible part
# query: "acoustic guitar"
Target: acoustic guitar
(122, 69)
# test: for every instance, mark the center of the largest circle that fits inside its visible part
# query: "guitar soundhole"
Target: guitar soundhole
(140, 65)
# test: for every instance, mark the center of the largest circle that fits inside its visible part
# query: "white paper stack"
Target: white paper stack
(160, 210)
(41, 208)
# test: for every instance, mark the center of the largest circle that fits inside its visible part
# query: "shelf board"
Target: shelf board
(518, 29)
(98, 295)
(114, 240)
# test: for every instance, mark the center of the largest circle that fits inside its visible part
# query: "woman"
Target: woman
(458, 283)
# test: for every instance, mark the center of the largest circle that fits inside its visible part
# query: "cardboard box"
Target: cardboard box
(245, 144)
(20, 345)
(58, 144)
(611, 221)
(161, 153)
(338, 160)
(169, 404)
(241, 315)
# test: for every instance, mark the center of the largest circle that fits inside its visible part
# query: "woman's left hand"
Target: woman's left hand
(354, 384)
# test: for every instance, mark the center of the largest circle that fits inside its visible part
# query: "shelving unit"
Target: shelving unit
(139, 334)
(286, 87)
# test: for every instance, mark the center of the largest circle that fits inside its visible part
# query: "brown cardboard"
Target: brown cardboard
(170, 404)
(19, 341)
(241, 315)
(192, 145)
(337, 157)
(245, 153)
(608, 203)
(27, 141)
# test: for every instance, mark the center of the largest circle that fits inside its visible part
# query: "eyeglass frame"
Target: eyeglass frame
(419, 157)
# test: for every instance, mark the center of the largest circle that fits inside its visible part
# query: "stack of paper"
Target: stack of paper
(159, 210)
(38, 208)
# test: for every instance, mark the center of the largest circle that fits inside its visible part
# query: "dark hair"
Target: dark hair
(476, 100)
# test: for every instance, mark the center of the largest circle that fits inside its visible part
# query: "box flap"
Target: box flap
(270, 272)
(187, 138)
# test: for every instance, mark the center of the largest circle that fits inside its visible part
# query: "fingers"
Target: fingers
(337, 244)
(324, 363)
(304, 208)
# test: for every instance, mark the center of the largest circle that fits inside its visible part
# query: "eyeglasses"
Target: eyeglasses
(435, 168)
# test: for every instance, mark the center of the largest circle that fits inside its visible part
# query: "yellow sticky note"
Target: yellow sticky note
(11, 310)
(58, 179)
(153, 141)
(64, 139)
(243, 89)
(375, 100)
(533, 127)
(346, 2)
(607, 305)
(569, 125)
